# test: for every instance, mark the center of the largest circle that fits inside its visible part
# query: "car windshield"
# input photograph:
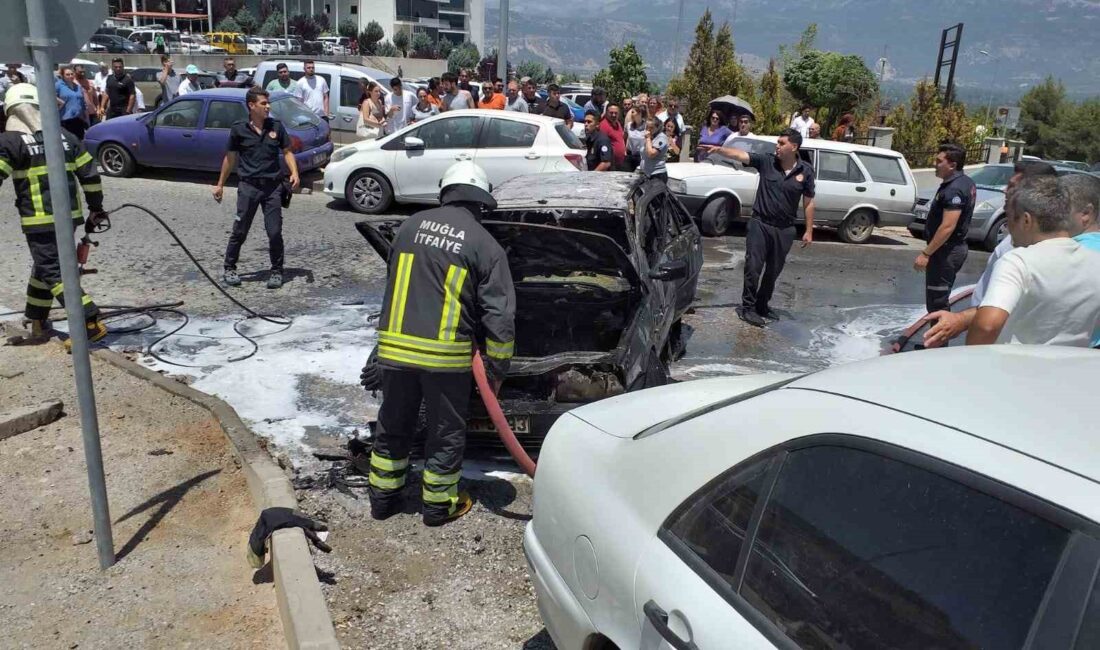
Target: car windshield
(568, 137)
(292, 112)
(749, 145)
(994, 176)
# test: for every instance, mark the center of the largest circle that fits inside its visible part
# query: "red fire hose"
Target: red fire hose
(507, 436)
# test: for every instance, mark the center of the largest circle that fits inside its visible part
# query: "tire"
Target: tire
(997, 232)
(115, 161)
(368, 192)
(714, 220)
(857, 227)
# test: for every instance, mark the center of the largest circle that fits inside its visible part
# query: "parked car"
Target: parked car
(859, 188)
(196, 44)
(93, 48)
(832, 510)
(604, 267)
(578, 98)
(124, 32)
(256, 47)
(146, 81)
(987, 225)
(406, 166)
(115, 44)
(192, 132)
(147, 37)
(231, 42)
(335, 45)
(576, 109)
(343, 82)
(1073, 164)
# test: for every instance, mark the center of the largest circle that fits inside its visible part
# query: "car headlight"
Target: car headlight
(677, 186)
(342, 153)
(986, 206)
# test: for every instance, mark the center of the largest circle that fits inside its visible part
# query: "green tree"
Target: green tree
(422, 46)
(548, 76)
(227, 24)
(770, 118)
(347, 28)
(273, 26)
(369, 38)
(712, 70)
(732, 78)
(569, 77)
(304, 27)
(444, 48)
(401, 42)
(1079, 132)
(625, 74)
(919, 129)
(1042, 110)
(531, 69)
(322, 22)
(247, 20)
(788, 54)
(833, 81)
(465, 55)
(386, 48)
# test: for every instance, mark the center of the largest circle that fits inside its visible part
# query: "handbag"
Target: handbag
(365, 131)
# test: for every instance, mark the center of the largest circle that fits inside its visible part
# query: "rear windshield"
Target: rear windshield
(568, 137)
(883, 169)
(293, 113)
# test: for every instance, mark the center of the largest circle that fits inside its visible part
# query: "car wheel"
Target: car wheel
(714, 220)
(114, 160)
(857, 227)
(997, 232)
(368, 192)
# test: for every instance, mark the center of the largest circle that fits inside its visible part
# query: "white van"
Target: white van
(343, 82)
(336, 44)
(147, 37)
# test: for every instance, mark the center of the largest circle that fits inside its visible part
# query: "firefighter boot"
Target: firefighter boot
(96, 331)
(435, 516)
(39, 333)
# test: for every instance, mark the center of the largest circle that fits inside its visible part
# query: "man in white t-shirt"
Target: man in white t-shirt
(399, 106)
(313, 91)
(1045, 291)
(802, 122)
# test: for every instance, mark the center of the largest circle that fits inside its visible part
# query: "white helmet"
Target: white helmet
(20, 94)
(466, 181)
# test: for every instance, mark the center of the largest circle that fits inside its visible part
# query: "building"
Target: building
(455, 20)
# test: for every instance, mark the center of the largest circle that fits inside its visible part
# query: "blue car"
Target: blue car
(192, 132)
(575, 108)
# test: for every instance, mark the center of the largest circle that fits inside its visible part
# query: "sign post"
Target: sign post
(57, 28)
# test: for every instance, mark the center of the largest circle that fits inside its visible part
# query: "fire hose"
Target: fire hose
(496, 415)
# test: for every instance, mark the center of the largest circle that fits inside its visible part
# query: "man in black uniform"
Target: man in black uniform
(784, 178)
(599, 145)
(258, 143)
(121, 93)
(554, 107)
(23, 159)
(945, 231)
(449, 289)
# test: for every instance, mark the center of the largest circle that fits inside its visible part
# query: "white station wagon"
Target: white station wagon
(859, 188)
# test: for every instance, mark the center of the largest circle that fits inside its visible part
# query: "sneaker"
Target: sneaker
(434, 517)
(768, 313)
(750, 317)
(275, 280)
(96, 331)
(231, 278)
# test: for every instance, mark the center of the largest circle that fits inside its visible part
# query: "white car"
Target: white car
(194, 43)
(274, 45)
(858, 187)
(257, 47)
(406, 166)
(832, 510)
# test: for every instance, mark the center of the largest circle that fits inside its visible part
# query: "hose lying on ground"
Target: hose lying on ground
(496, 414)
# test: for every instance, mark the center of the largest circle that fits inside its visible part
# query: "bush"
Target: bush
(422, 46)
(401, 42)
(370, 37)
(305, 27)
(247, 20)
(386, 48)
(464, 55)
(227, 24)
(273, 26)
(347, 28)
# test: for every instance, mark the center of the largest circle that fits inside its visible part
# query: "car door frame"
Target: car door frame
(169, 136)
(403, 156)
(207, 141)
(833, 203)
(537, 148)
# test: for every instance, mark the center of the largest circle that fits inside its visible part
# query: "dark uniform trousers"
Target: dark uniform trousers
(253, 194)
(940, 274)
(766, 249)
(446, 398)
(45, 282)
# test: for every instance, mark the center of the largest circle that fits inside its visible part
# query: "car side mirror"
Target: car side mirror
(413, 142)
(673, 270)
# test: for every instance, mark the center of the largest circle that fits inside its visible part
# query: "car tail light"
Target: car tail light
(295, 144)
(576, 159)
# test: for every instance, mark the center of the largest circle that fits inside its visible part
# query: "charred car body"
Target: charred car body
(604, 267)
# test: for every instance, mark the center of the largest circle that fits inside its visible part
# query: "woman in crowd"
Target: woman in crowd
(71, 104)
(372, 114)
(672, 131)
(653, 105)
(424, 107)
(635, 136)
(846, 130)
(654, 151)
(714, 132)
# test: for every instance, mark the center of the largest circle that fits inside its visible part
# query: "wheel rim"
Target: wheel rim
(367, 192)
(1002, 231)
(860, 225)
(112, 160)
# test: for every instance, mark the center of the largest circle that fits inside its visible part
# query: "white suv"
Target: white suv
(406, 166)
(858, 187)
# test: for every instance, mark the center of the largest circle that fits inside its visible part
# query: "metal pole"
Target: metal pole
(502, 53)
(133, 11)
(40, 43)
(210, 16)
(286, 29)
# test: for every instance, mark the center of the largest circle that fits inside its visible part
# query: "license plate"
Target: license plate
(319, 158)
(519, 424)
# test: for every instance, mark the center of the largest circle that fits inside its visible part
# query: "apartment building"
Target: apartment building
(454, 20)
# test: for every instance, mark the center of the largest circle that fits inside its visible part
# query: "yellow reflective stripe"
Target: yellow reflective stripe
(387, 483)
(400, 291)
(38, 284)
(36, 200)
(37, 220)
(5, 167)
(19, 173)
(57, 289)
(431, 478)
(86, 300)
(450, 496)
(93, 187)
(428, 345)
(499, 350)
(83, 159)
(386, 464)
(40, 302)
(421, 359)
(452, 303)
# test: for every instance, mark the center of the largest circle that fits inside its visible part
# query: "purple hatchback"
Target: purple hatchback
(192, 132)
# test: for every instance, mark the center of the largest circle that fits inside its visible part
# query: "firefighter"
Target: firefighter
(23, 159)
(448, 289)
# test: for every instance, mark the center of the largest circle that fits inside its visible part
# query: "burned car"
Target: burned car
(604, 267)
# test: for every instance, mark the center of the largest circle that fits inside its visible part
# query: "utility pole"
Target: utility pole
(679, 29)
(502, 51)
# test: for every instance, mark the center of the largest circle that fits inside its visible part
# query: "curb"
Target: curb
(307, 624)
(29, 418)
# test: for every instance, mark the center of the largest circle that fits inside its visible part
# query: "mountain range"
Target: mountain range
(1006, 45)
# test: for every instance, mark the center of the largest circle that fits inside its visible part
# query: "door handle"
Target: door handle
(347, 119)
(187, 135)
(659, 618)
(860, 188)
(893, 192)
(532, 156)
(462, 156)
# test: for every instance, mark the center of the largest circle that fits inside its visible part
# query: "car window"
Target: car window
(510, 133)
(993, 175)
(714, 522)
(568, 137)
(222, 115)
(858, 550)
(835, 166)
(883, 169)
(350, 91)
(453, 133)
(1088, 636)
(183, 114)
(293, 113)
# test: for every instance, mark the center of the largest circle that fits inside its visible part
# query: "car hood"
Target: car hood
(984, 194)
(683, 171)
(536, 250)
(115, 123)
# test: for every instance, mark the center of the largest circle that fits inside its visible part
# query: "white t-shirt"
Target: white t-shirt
(313, 93)
(802, 125)
(139, 99)
(398, 120)
(744, 146)
(186, 87)
(1051, 291)
(983, 282)
(663, 115)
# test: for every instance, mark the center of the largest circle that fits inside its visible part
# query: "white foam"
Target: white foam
(860, 335)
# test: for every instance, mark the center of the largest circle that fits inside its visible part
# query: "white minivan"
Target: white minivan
(343, 82)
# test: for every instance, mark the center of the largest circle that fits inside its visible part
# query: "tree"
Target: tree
(531, 69)
(465, 55)
(273, 26)
(1042, 110)
(548, 76)
(422, 46)
(247, 20)
(386, 48)
(1079, 132)
(401, 42)
(770, 118)
(322, 21)
(444, 48)
(347, 28)
(732, 78)
(712, 70)
(569, 77)
(625, 74)
(304, 27)
(833, 81)
(919, 130)
(806, 42)
(227, 24)
(225, 9)
(370, 37)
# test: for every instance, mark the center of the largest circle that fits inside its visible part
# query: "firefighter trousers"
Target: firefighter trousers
(45, 282)
(446, 399)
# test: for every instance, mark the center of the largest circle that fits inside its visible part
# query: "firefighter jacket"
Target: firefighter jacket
(23, 159)
(449, 288)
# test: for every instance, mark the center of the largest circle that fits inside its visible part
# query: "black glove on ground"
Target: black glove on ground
(273, 519)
